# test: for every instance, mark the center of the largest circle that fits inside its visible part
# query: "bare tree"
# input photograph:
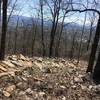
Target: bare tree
(12, 9)
(96, 38)
(0, 9)
(55, 11)
(16, 35)
(59, 37)
(4, 30)
(71, 54)
(81, 38)
(42, 25)
(96, 74)
(92, 19)
(24, 37)
(34, 33)
(94, 47)
(12, 5)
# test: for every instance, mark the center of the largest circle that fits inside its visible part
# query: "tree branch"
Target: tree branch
(77, 10)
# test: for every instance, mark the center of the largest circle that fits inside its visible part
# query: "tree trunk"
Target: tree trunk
(52, 37)
(52, 34)
(96, 74)
(59, 37)
(0, 11)
(33, 40)
(16, 30)
(94, 47)
(51, 44)
(71, 54)
(90, 35)
(80, 45)
(4, 30)
(54, 26)
(42, 31)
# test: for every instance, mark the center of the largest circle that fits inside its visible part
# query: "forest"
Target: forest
(49, 49)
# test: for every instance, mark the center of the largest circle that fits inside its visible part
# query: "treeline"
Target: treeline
(26, 39)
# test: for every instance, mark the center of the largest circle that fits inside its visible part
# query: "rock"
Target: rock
(22, 85)
(13, 57)
(29, 91)
(78, 80)
(99, 86)
(22, 57)
(16, 63)
(74, 86)
(46, 70)
(71, 65)
(8, 63)
(38, 65)
(82, 98)
(22, 93)
(61, 64)
(60, 91)
(40, 59)
(24, 78)
(42, 94)
(63, 60)
(12, 73)
(7, 94)
(50, 88)
(24, 97)
(80, 76)
(28, 59)
(84, 87)
(63, 98)
(22, 63)
(3, 69)
(90, 87)
(63, 87)
(70, 70)
(71, 82)
(55, 64)
(27, 64)
(9, 90)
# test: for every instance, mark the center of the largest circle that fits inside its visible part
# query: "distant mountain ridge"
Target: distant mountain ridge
(28, 21)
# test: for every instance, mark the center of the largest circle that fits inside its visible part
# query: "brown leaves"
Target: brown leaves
(44, 79)
(9, 90)
(14, 63)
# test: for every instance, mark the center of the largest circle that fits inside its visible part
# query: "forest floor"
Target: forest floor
(37, 78)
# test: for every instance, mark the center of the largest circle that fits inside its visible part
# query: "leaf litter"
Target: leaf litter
(37, 78)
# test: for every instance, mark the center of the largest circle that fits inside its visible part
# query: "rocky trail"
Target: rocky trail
(37, 78)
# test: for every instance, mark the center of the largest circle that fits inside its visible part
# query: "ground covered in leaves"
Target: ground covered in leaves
(23, 78)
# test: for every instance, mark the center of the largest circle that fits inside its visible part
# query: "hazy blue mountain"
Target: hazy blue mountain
(28, 21)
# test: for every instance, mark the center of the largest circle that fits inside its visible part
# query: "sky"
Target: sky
(27, 9)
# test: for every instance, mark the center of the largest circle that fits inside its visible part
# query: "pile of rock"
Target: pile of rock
(14, 63)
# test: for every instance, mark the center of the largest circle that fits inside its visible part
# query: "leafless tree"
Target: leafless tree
(34, 33)
(4, 30)
(96, 74)
(94, 47)
(42, 25)
(16, 35)
(0, 9)
(92, 20)
(55, 10)
(12, 9)
(71, 54)
(96, 38)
